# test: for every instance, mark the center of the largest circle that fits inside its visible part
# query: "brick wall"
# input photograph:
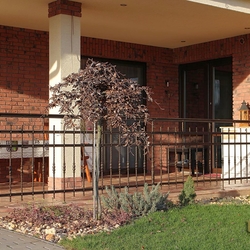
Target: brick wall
(65, 7)
(24, 67)
(24, 78)
(160, 68)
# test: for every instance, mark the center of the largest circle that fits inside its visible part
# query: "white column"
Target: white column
(64, 59)
(235, 152)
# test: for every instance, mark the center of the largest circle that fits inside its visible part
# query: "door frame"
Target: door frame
(209, 80)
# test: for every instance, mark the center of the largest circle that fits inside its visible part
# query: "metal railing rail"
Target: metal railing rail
(214, 152)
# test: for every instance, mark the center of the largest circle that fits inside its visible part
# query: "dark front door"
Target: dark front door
(206, 93)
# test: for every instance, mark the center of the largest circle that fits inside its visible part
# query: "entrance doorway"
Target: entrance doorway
(206, 93)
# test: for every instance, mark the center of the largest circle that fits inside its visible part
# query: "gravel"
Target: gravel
(54, 224)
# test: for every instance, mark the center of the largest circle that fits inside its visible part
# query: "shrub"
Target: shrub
(136, 204)
(116, 217)
(188, 194)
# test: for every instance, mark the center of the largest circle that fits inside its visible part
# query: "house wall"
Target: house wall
(160, 67)
(24, 67)
(24, 76)
(24, 70)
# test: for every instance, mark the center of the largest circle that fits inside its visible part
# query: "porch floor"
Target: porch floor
(206, 186)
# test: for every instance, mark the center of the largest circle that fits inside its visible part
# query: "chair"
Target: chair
(85, 166)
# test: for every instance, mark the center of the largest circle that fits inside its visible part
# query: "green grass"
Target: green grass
(192, 227)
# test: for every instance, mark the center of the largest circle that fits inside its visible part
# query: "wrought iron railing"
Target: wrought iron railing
(38, 157)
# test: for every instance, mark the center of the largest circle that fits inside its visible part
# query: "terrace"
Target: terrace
(33, 156)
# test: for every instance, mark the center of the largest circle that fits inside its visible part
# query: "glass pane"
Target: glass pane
(196, 91)
(222, 106)
(223, 95)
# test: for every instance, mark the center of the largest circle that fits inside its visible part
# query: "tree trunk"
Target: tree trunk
(96, 170)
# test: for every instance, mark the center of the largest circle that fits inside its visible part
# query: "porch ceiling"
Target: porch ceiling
(163, 23)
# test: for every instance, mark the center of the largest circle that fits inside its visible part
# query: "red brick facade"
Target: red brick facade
(24, 69)
(65, 7)
(159, 63)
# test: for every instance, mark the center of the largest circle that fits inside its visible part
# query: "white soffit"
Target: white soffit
(235, 5)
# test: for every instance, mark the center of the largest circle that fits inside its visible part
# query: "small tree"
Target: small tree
(187, 195)
(100, 93)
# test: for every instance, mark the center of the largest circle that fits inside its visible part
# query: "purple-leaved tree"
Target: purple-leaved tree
(99, 93)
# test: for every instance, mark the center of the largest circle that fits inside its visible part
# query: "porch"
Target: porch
(214, 152)
(84, 198)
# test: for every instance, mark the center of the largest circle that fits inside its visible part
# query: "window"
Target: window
(122, 159)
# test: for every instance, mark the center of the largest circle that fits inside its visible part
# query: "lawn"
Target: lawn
(210, 226)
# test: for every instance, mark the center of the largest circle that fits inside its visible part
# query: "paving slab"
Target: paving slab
(17, 241)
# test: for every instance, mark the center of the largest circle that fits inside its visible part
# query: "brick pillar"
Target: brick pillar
(65, 7)
(64, 59)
